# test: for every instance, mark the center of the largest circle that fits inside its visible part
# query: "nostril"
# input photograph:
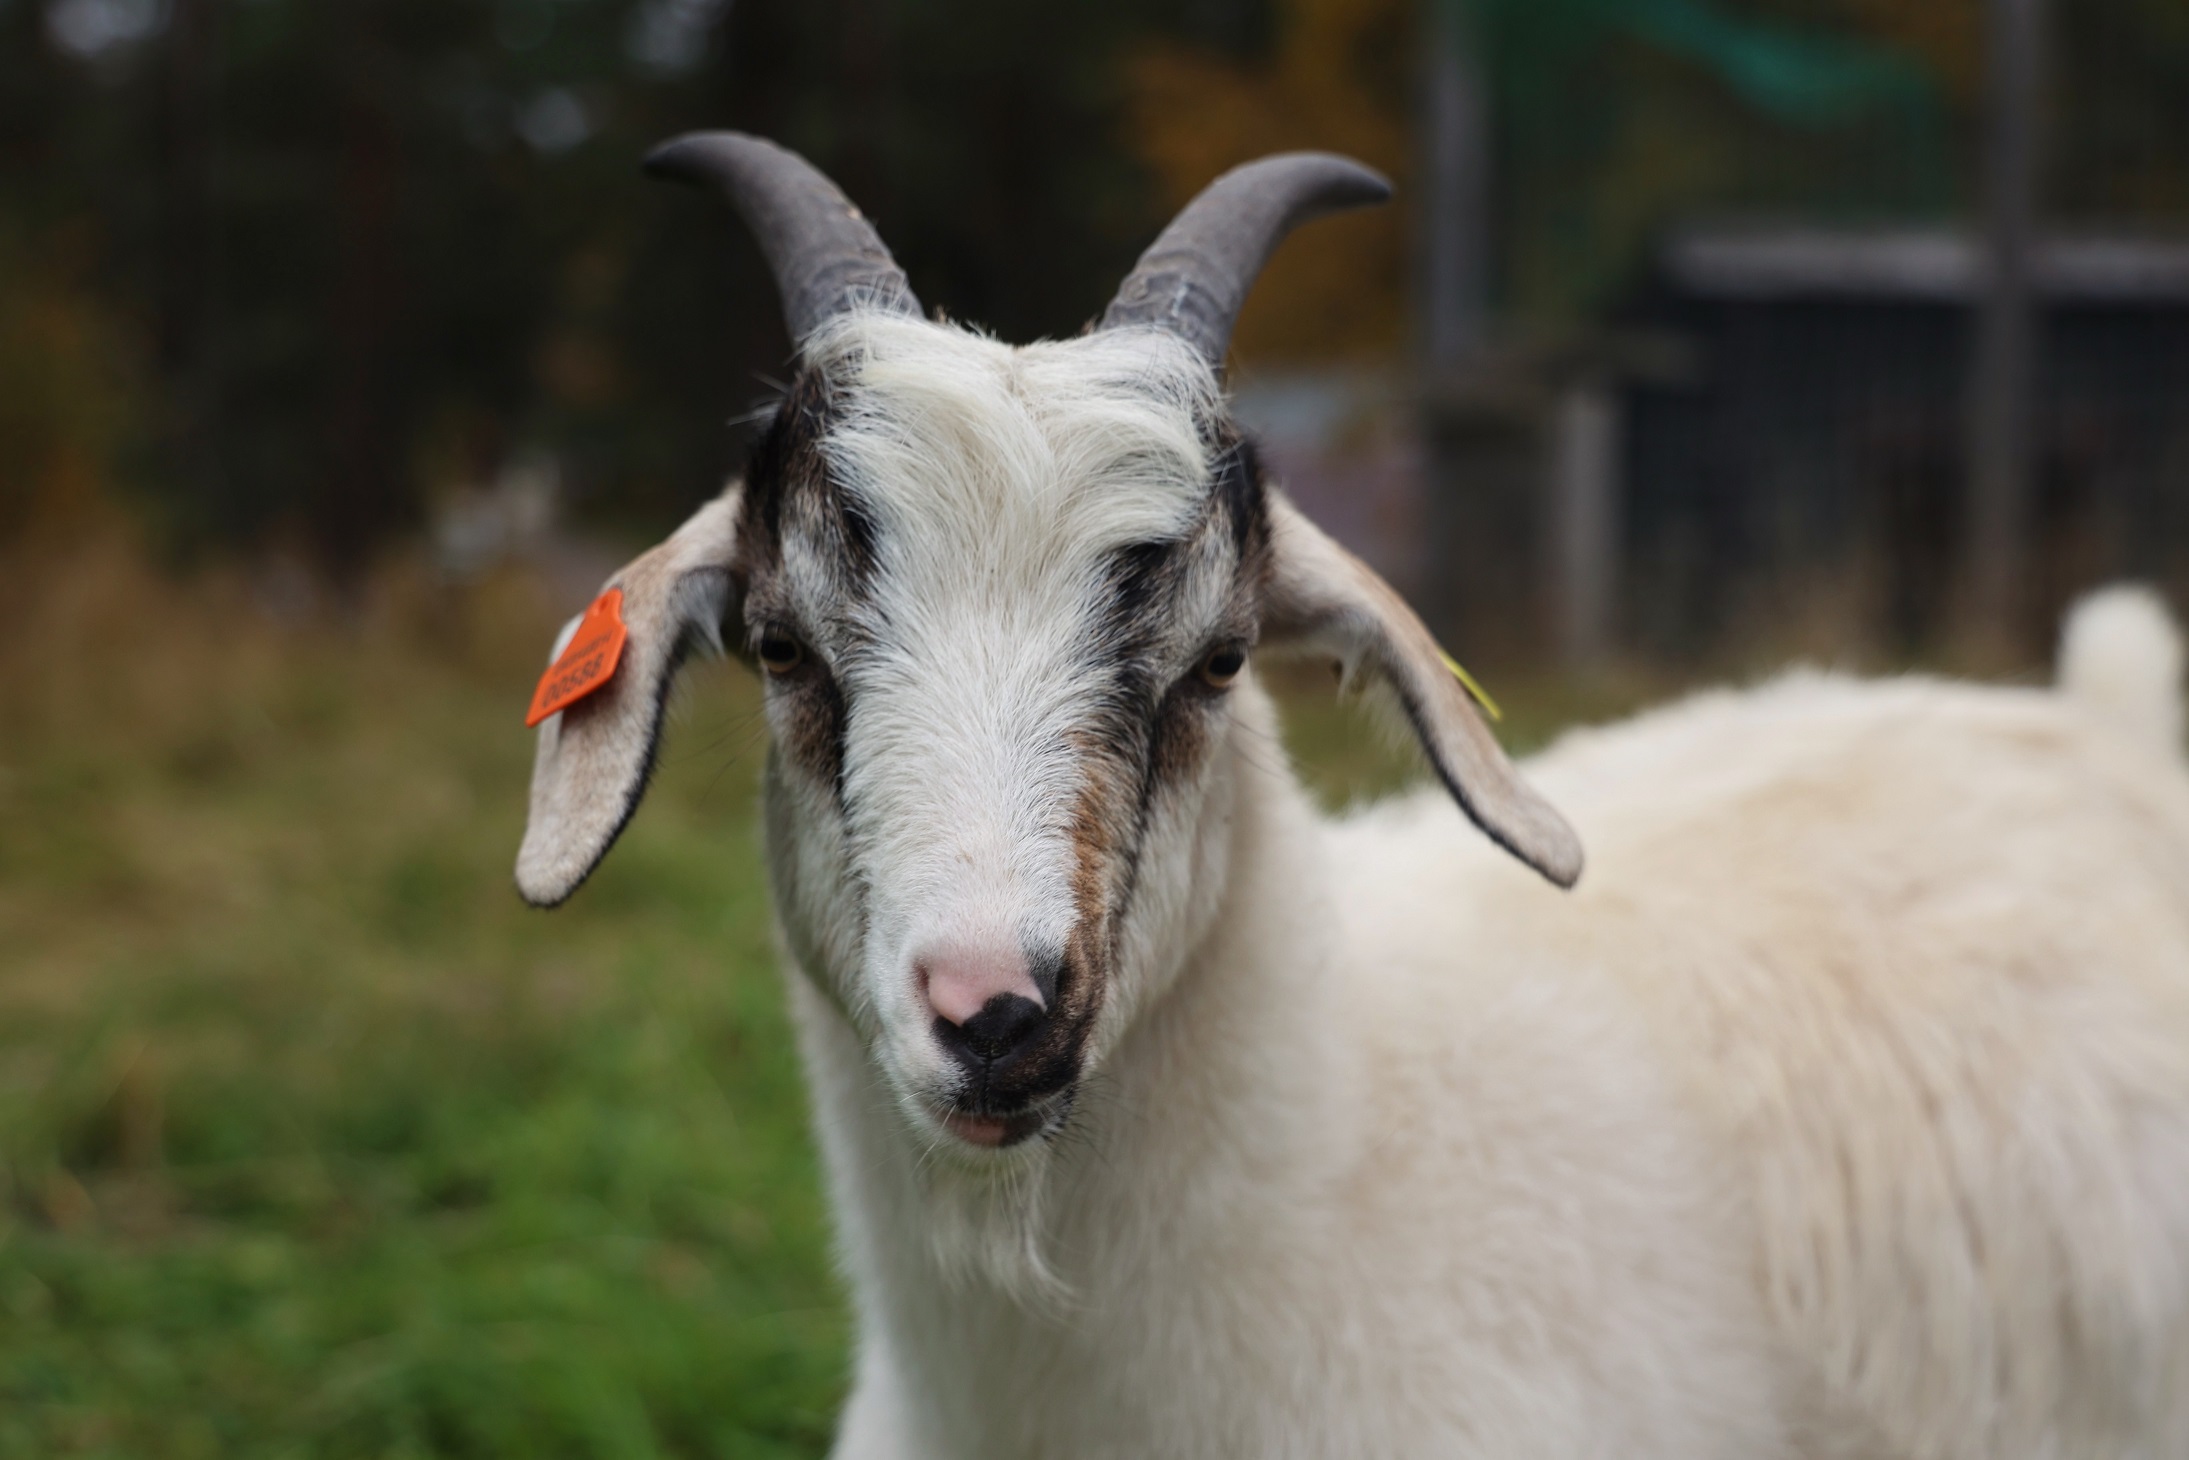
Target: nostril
(1004, 1024)
(990, 999)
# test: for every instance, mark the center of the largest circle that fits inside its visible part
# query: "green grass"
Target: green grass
(313, 1140)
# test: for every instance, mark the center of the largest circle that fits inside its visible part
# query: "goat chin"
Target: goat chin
(1840, 1112)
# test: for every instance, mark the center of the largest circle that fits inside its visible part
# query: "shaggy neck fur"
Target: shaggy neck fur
(1183, 1105)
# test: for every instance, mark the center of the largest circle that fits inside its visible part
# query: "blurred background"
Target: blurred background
(343, 352)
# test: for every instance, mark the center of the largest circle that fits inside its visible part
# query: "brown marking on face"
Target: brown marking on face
(1181, 739)
(1097, 824)
(1100, 819)
(1153, 738)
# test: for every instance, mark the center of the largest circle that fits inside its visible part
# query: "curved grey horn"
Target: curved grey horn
(825, 256)
(1194, 277)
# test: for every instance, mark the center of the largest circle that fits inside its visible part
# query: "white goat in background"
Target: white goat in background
(1843, 1111)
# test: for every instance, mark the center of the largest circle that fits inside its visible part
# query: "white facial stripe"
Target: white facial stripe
(961, 788)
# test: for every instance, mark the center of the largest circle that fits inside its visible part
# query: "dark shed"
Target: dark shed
(1806, 454)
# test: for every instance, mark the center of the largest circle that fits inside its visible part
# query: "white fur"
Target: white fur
(1843, 1111)
(1329, 1200)
(2119, 654)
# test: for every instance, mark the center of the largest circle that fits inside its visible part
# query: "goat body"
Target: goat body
(1843, 1110)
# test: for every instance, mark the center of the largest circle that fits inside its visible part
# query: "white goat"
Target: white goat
(1843, 1112)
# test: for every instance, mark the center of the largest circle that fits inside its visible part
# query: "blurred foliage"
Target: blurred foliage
(70, 384)
(373, 248)
(314, 1142)
(1947, 35)
(1340, 77)
(295, 270)
(2120, 107)
(1618, 117)
(1610, 117)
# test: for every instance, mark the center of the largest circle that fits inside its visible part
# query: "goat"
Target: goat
(1844, 1111)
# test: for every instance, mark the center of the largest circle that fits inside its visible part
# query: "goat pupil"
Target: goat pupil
(1224, 664)
(778, 651)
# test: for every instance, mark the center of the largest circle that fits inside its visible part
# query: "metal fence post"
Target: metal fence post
(2002, 394)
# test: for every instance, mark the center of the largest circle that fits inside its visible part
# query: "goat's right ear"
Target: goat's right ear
(595, 757)
(1322, 599)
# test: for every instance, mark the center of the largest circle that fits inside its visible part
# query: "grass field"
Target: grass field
(313, 1140)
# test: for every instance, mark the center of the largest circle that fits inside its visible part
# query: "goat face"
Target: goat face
(1000, 598)
(1002, 601)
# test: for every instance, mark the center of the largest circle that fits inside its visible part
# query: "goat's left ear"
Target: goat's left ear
(1321, 599)
(595, 757)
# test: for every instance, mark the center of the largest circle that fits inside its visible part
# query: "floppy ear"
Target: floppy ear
(595, 757)
(1322, 599)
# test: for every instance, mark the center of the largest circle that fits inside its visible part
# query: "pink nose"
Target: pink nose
(961, 981)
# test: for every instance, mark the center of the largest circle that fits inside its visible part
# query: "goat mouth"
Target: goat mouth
(993, 1130)
(977, 1127)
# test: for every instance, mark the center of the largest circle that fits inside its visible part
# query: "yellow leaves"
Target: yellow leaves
(66, 396)
(1341, 78)
(1946, 36)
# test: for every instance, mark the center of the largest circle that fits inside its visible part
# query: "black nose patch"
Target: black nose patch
(1004, 1025)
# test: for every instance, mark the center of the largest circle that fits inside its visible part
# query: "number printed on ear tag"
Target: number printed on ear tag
(586, 663)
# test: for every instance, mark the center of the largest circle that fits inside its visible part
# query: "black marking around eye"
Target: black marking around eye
(788, 489)
(785, 460)
(857, 529)
(1150, 733)
(824, 716)
(1238, 492)
(1139, 578)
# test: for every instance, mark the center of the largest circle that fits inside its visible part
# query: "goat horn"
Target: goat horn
(825, 256)
(1194, 277)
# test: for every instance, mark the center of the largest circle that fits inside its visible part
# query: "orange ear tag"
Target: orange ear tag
(585, 664)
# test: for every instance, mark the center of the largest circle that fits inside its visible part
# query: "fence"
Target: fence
(1747, 260)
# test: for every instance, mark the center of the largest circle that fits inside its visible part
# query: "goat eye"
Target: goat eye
(779, 652)
(1223, 666)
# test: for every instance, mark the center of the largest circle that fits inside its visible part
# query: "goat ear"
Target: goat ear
(595, 757)
(1321, 599)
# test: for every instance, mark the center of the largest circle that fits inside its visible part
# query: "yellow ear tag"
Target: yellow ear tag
(1481, 695)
